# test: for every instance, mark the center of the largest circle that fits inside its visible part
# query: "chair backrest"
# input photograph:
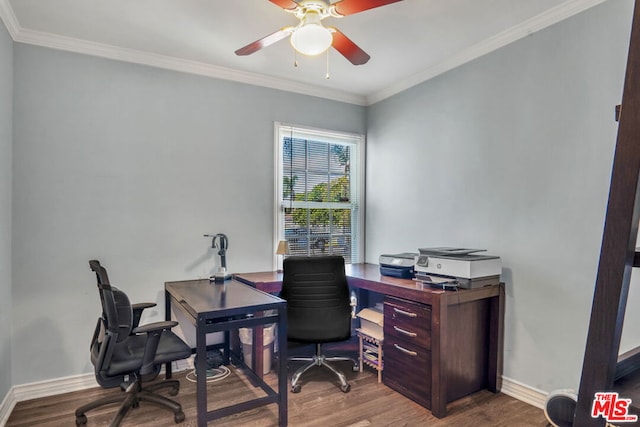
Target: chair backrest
(113, 326)
(317, 295)
(116, 307)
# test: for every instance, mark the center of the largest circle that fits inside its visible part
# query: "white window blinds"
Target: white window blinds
(318, 191)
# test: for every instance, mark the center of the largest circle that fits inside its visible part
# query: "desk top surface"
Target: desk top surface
(203, 297)
(364, 271)
(367, 276)
(361, 271)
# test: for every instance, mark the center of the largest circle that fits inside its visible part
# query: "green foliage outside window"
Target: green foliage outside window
(320, 216)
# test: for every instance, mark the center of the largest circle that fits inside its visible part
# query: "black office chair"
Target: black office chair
(318, 310)
(120, 348)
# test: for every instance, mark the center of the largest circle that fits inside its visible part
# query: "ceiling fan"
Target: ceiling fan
(310, 37)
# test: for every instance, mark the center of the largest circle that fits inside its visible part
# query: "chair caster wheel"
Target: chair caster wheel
(174, 391)
(179, 417)
(345, 388)
(296, 388)
(81, 420)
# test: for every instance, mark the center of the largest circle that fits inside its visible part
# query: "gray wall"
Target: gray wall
(6, 102)
(132, 165)
(512, 152)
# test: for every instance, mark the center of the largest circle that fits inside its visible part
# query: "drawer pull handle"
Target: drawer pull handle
(404, 350)
(407, 333)
(405, 313)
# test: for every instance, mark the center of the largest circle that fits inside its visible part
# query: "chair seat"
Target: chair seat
(128, 354)
(320, 339)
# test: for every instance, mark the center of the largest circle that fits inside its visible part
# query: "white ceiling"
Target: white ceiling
(409, 41)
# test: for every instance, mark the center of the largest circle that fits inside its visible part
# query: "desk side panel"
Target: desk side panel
(467, 351)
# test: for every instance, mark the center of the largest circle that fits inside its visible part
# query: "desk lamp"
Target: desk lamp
(283, 249)
(220, 242)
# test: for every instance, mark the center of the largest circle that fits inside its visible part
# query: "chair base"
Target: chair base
(320, 359)
(134, 394)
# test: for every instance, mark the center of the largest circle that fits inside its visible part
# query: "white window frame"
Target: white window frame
(357, 189)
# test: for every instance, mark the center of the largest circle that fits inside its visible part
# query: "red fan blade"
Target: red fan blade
(348, 49)
(349, 7)
(265, 41)
(285, 4)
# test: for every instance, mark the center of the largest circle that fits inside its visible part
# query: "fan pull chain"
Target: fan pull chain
(295, 58)
(327, 76)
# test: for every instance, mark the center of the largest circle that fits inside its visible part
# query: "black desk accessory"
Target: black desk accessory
(221, 242)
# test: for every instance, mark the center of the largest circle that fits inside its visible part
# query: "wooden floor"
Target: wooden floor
(320, 403)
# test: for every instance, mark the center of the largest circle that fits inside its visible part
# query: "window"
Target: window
(319, 179)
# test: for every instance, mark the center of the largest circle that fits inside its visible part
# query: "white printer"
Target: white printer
(469, 269)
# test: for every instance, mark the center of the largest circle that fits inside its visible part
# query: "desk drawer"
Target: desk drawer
(407, 369)
(408, 321)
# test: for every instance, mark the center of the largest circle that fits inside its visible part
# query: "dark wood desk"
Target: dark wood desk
(226, 307)
(462, 350)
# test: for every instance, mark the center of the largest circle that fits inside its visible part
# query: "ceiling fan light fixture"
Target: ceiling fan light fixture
(310, 37)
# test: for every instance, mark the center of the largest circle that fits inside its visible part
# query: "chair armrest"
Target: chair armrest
(154, 332)
(137, 311)
(143, 305)
(155, 326)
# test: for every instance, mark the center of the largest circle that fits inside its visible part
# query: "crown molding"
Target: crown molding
(70, 44)
(9, 18)
(530, 26)
(539, 22)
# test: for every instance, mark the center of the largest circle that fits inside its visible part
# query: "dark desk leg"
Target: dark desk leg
(283, 383)
(226, 347)
(234, 342)
(201, 372)
(167, 316)
(257, 352)
(363, 298)
(496, 339)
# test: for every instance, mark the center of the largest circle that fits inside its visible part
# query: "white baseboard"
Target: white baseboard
(6, 407)
(62, 385)
(52, 387)
(523, 392)
(42, 389)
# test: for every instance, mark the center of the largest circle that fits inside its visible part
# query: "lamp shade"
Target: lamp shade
(283, 248)
(310, 37)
